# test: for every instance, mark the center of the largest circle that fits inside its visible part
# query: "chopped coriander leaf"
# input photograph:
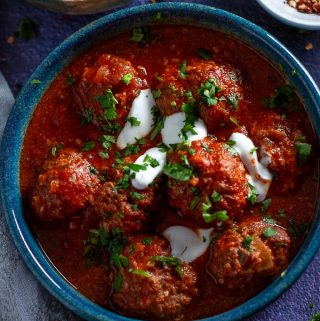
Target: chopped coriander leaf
(133, 121)
(253, 150)
(156, 93)
(88, 145)
(108, 103)
(151, 161)
(229, 147)
(55, 149)
(93, 170)
(183, 69)
(252, 197)
(134, 207)
(26, 30)
(137, 167)
(247, 243)
(124, 182)
(169, 261)
(187, 108)
(158, 123)
(35, 82)
(280, 98)
(117, 283)
(140, 141)
(269, 220)
(303, 150)
(147, 241)
(103, 154)
(269, 232)
(131, 149)
(194, 202)
(107, 141)
(177, 171)
(136, 196)
(140, 272)
(265, 205)
(206, 148)
(111, 127)
(70, 80)
(216, 197)
(208, 91)
(232, 100)
(87, 116)
(204, 54)
(220, 216)
(140, 35)
(127, 78)
(233, 120)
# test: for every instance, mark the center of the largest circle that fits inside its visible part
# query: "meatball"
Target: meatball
(276, 138)
(219, 182)
(126, 209)
(64, 186)
(150, 287)
(215, 88)
(249, 253)
(106, 79)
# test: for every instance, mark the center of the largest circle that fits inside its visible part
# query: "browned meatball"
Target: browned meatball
(106, 78)
(249, 253)
(276, 138)
(219, 182)
(64, 186)
(200, 79)
(152, 288)
(127, 209)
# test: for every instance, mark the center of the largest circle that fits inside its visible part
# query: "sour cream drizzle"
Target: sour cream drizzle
(141, 109)
(258, 174)
(186, 244)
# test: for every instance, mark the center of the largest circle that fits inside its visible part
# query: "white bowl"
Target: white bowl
(290, 16)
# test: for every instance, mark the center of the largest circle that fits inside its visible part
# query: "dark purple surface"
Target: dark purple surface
(18, 60)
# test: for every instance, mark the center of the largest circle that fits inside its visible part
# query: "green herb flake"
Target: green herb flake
(204, 54)
(35, 82)
(195, 201)
(216, 197)
(147, 241)
(140, 35)
(136, 196)
(183, 69)
(26, 30)
(55, 149)
(280, 98)
(252, 197)
(253, 150)
(208, 91)
(303, 150)
(269, 220)
(247, 243)
(117, 283)
(133, 121)
(233, 101)
(178, 172)
(158, 123)
(234, 121)
(127, 78)
(142, 273)
(269, 232)
(108, 103)
(229, 147)
(265, 205)
(169, 261)
(88, 146)
(151, 161)
(156, 93)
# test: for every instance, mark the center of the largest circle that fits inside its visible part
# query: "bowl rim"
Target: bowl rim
(291, 16)
(12, 141)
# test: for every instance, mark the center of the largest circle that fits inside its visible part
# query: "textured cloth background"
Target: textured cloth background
(21, 297)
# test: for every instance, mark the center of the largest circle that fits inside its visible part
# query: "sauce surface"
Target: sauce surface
(57, 124)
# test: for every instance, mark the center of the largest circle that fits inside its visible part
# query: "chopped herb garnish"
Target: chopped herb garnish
(303, 150)
(158, 122)
(252, 197)
(133, 121)
(232, 100)
(208, 91)
(70, 80)
(88, 146)
(209, 216)
(140, 35)
(194, 202)
(280, 98)
(151, 161)
(156, 93)
(26, 30)
(108, 103)
(233, 120)
(204, 54)
(117, 283)
(169, 261)
(136, 196)
(216, 197)
(87, 116)
(127, 78)
(103, 154)
(55, 149)
(178, 172)
(35, 82)
(183, 69)
(247, 243)
(137, 167)
(140, 273)
(206, 148)
(147, 241)
(269, 232)
(229, 147)
(107, 141)
(269, 220)
(265, 205)
(253, 150)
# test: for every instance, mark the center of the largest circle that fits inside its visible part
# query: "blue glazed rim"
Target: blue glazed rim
(177, 13)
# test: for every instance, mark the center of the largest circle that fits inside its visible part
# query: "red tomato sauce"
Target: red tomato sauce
(56, 120)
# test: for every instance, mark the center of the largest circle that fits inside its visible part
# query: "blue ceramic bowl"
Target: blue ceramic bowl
(175, 13)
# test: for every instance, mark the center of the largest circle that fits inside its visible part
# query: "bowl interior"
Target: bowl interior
(173, 13)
